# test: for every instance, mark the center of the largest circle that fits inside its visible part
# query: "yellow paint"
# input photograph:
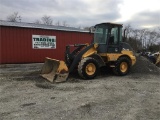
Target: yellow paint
(110, 56)
(90, 69)
(158, 60)
(115, 56)
(91, 51)
(62, 66)
(123, 67)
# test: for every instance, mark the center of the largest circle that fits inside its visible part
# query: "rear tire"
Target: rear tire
(88, 68)
(122, 66)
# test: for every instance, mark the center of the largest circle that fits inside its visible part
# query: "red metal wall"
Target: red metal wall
(16, 44)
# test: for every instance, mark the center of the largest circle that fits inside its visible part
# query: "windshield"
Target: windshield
(100, 35)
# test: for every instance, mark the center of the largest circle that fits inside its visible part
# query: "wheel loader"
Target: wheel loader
(107, 49)
(158, 60)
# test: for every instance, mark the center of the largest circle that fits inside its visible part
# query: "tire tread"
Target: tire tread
(81, 65)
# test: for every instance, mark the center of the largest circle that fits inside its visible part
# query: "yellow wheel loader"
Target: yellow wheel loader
(158, 60)
(107, 49)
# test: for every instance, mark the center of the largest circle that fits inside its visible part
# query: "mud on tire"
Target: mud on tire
(88, 68)
(122, 66)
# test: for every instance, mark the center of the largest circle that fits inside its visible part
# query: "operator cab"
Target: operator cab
(108, 36)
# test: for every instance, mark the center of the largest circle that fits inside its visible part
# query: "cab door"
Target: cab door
(101, 38)
(115, 37)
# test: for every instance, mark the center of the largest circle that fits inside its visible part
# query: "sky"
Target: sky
(86, 13)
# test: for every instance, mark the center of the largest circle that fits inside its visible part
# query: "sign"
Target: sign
(43, 42)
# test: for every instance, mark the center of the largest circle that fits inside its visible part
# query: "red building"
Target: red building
(28, 42)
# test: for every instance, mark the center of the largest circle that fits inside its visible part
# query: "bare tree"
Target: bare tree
(58, 23)
(46, 20)
(14, 17)
(135, 33)
(65, 24)
(86, 28)
(142, 36)
(79, 27)
(153, 37)
(135, 39)
(37, 22)
(158, 32)
(128, 30)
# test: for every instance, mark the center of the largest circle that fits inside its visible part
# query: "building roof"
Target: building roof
(40, 26)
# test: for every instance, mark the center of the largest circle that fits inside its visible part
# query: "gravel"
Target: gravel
(24, 95)
(144, 66)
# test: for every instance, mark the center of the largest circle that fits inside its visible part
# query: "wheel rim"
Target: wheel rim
(90, 69)
(123, 67)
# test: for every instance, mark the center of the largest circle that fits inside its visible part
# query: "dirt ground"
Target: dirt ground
(24, 95)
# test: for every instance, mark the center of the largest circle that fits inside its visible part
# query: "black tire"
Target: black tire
(82, 68)
(118, 69)
(152, 60)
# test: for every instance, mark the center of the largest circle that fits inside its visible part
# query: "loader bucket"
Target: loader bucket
(54, 70)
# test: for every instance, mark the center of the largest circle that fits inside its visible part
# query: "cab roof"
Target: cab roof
(109, 24)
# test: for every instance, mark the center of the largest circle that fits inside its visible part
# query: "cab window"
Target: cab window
(100, 35)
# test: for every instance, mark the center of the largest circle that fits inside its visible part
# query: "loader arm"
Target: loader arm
(78, 57)
(70, 56)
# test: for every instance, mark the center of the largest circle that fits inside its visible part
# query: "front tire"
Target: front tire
(88, 68)
(122, 66)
